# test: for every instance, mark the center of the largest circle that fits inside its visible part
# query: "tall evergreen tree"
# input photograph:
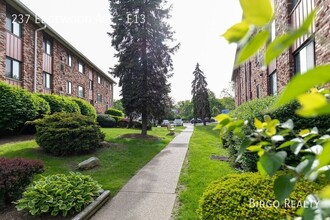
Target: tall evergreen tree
(200, 96)
(141, 37)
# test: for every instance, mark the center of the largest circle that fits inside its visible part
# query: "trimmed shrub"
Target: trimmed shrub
(67, 134)
(15, 175)
(60, 103)
(59, 194)
(240, 196)
(115, 114)
(85, 108)
(106, 121)
(18, 106)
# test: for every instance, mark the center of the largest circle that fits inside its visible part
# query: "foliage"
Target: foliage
(138, 125)
(115, 114)
(227, 102)
(250, 196)
(270, 137)
(112, 177)
(200, 96)
(185, 109)
(117, 104)
(18, 106)
(67, 134)
(106, 121)
(60, 103)
(15, 175)
(59, 194)
(145, 62)
(85, 108)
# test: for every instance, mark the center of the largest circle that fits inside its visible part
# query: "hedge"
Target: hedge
(106, 121)
(85, 108)
(243, 196)
(18, 106)
(60, 103)
(257, 109)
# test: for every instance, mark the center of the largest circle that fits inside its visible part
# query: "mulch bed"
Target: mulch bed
(140, 136)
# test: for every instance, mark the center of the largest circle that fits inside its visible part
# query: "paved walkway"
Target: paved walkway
(150, 194)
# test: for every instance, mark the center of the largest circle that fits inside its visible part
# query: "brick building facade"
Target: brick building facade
(60, 68)
(253, 81)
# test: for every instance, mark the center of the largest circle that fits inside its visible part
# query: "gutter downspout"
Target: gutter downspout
(35, 57)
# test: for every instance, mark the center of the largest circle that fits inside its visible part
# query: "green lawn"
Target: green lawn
(199, 170)
(118, 164)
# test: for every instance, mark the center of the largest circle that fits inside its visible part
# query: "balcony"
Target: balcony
(297, 16)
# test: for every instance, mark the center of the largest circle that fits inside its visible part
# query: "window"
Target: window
(13, 69)
(12, 25)
(90, 84)
(98, 79)
(47, 46)
(304, 59)
(69, 60)
(293, 4)
(258, 91)
(80, 67)
(47, 80)
(273, 83)
(69, 87)
(80, 91)
(99, 98)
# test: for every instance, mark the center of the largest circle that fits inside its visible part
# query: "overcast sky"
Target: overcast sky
(198, 25)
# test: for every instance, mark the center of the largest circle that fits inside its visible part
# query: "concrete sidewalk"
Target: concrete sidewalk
(150, 194)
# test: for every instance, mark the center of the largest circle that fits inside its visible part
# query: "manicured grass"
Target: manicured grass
(199, 171)
(118, 164)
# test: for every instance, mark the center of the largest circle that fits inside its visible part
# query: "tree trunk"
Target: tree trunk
(204, 122)
(144, 124)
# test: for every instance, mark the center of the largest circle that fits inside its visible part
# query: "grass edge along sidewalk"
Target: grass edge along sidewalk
(199, 171)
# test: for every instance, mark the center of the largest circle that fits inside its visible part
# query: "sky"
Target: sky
(198, 25)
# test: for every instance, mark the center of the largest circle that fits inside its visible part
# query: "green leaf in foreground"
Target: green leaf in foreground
(283, 42)
(257, 12)
(324, 158)
(302, 83)
(283, 186)
(252, 47)
(269, 163)
(236, 32)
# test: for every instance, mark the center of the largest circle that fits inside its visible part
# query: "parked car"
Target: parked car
(178, 122)
(198, 120)
(165, 123)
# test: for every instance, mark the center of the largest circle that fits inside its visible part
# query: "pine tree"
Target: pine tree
(141, 36)
(200, 96)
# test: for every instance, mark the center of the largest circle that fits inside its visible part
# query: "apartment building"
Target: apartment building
(35, 57)
(252, 81)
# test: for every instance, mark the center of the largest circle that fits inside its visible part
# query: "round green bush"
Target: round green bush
(85, 108)
(114, 112)
(59, 194)
(18, 106)
(68, 133)
(60, 103)
(250, 196)
(106, 121)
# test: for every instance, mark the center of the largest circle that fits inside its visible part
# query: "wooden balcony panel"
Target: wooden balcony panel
(47, 63)
(13, 46)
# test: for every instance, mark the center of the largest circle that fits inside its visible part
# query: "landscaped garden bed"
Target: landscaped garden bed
(119, 162)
